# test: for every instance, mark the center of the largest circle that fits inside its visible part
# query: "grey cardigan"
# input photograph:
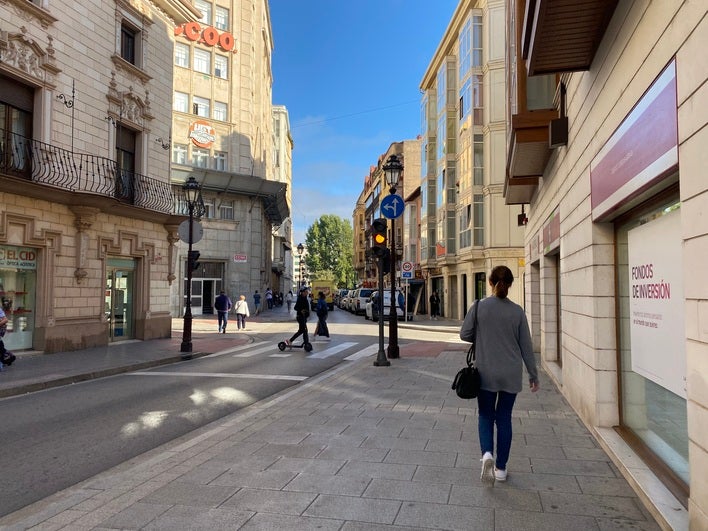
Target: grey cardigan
(503, 342)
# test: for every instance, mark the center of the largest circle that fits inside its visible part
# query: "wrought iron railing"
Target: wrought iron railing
(80, 172)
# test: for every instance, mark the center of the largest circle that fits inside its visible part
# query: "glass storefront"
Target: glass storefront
(18, 283)
(651, 332)
(120, 278)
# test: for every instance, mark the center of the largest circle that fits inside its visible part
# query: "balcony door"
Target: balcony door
(16, 105)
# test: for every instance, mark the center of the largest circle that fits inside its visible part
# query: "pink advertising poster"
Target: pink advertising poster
(656, 302)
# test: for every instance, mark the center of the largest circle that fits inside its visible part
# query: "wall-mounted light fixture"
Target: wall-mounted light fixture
(69, 104)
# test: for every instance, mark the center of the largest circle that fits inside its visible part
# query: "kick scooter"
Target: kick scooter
(283, 345)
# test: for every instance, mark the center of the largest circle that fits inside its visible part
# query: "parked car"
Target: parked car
(372, 305)
(338, 297)
(358, 302)
(344, 299)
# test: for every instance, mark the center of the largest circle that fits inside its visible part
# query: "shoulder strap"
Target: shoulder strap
(471, 356)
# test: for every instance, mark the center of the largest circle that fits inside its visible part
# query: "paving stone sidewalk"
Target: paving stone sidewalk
(359, 448)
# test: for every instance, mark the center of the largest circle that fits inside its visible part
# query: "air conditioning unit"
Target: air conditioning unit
(558, 132)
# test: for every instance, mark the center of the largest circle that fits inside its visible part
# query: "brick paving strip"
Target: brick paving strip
(359, 448)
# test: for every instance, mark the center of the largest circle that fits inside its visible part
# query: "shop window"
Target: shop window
(652, 349)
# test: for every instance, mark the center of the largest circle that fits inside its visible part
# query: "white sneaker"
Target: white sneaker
(499, 475)
(487, 475)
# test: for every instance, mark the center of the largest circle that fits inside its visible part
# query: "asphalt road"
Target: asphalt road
(56, 438)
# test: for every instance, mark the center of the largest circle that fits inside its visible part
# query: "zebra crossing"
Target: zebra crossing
(263, 347)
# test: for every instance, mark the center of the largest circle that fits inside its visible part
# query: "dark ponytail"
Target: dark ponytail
(501, 279)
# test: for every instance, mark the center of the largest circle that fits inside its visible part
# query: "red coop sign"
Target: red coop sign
(209, 36)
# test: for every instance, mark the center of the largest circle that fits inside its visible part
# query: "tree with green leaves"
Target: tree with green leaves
(330, 250)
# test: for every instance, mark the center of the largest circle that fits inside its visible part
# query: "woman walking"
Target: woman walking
(241, 311)
(289, 300)
(503, 346)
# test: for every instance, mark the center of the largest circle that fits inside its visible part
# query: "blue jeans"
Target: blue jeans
(495, 408)
(223, 319)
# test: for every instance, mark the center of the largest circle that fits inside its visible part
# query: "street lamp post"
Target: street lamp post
(392, 170)
(191, 193)
(300, 250)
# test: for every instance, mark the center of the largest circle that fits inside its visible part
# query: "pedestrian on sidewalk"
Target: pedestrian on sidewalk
(241, 311)
(434, 305)
(6, 357)
(289, 300)
(257, 302)
(321, 310)
(222, 303)
(302, 310)
(269, 298)
(503, 343)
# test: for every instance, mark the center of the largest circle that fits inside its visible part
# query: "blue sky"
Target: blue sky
(349, 73)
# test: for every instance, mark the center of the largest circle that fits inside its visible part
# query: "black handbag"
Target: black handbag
(467, 380)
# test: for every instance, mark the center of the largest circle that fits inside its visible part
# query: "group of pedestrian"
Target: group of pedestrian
(503, 346)
(223, 306)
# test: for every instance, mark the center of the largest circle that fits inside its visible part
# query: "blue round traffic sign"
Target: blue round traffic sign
(392, 206)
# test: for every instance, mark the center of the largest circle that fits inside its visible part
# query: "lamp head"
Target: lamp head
(300, 248)
(191, 190)
(393, 169)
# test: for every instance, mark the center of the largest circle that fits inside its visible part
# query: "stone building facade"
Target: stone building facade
(465, 226)
(223, 136)
(85, 206)
(607, 147)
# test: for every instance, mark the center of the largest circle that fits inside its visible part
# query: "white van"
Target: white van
(371, 305)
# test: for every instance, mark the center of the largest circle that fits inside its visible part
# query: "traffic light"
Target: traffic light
(192, 258)
(379, 238)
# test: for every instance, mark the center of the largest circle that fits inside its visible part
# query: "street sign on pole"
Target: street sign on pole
(392, 206)
(406, 274)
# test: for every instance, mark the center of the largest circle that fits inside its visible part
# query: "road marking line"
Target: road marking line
(223, 375)
(363, 353)
(251, 353)
(332, 350)
(280, 355)
(234, 349)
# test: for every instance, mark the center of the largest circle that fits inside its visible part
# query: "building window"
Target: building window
(16, 110)
(220, 111)
(220, 161)
(477, 102)
(128, 39)
(221, 66)
(182, 54)
(181, 102)
(465, 228)
(205, 8)
(478, 207)
(209, 208)
(478, 170)
(202, 61)
(221, 19)
(465, 46)
(200, 106)
(179, 153)
(200, 157)
(477, 41)
(226, 210)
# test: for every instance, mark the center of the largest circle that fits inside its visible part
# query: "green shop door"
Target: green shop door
(120, 281)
